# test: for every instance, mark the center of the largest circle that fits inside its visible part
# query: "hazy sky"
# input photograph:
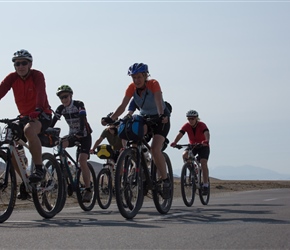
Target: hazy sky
(229, 60)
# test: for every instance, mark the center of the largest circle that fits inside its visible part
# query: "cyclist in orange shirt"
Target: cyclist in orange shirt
(147, 95)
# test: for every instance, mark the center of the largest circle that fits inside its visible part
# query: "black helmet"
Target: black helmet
(138, 68)
(64, 88)
(22, 54)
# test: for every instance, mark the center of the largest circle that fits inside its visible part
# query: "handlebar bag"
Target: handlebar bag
(105, 151)
(132, 129)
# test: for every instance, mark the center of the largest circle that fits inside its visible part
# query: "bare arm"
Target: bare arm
(120, 110)
(158, 101)
(97, 143)
(178, 137)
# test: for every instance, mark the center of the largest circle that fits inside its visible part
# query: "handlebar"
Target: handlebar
(190, 146)
(18, 118)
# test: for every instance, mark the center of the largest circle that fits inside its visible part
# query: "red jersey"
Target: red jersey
(29, 93)
(195, 134)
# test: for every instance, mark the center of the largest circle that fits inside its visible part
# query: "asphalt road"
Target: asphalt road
(237, 220)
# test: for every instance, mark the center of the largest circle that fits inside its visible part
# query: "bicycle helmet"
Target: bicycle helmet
(64, 88)
(138, 68)
(22, 54)
(191, 113)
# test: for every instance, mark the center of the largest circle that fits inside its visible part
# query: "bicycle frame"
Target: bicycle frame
(64, 156)
(193, 159)
(12, 151)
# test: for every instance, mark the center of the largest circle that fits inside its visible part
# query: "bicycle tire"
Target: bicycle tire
(64, 190)
(104, 188)
(204, 198)
(187, 184)
(162, 205)
(8, 193)
(128, 184)
(47, 194)
(80, 188)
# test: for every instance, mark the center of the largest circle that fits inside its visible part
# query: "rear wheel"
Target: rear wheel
(162, 205)
(203, 196)
(128, 184)
(47, 194)
(187, 183)
(104, 188)
(7, 189)
(86, 206)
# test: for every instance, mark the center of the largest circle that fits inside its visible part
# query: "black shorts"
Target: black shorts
(203, 152)
(85, 144)
(161, 128)
(45, 123)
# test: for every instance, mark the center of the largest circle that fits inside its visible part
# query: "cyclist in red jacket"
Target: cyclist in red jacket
(197, 132)
(28, 86)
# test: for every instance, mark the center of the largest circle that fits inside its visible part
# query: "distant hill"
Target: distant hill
(246, 172)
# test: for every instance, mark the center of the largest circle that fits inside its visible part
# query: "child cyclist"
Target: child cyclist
(75, 115)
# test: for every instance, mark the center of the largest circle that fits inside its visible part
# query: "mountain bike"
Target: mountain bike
(106, 176)
(134, 179)
(73, 178)
(46, 194)
(191, 178)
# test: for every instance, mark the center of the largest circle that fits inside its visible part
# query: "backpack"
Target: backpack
(168, 106)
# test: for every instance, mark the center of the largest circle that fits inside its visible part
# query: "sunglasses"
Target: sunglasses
(63, 97)
(23, 63)
(191, 118)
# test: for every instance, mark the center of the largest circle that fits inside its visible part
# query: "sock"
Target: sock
(38, 167)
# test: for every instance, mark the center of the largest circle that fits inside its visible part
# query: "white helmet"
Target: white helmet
(191, 113)
(22, 54)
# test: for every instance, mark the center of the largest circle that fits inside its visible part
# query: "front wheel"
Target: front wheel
(47, 194)
(162, 205)
(128, 184)
(187, 184)
(203, 196)
(84, 204)
(8, 186)
(104, 188)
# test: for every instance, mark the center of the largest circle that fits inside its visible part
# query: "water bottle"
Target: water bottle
(71, 168)
(22, 156)
(147, 156)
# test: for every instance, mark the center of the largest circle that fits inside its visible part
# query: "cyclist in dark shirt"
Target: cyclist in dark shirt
(75, 115)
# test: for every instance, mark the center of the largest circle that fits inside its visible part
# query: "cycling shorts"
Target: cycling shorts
(203, 152)
(85, 144)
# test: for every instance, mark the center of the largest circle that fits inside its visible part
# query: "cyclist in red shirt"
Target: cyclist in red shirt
(28, 86)
(197, 132)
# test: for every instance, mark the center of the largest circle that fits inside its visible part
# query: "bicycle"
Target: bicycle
(134, 179)
(192, 177)
(72, 177)
(46, 194)
(106, 176)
